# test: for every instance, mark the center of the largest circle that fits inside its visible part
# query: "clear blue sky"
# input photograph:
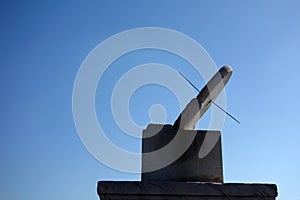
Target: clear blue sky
(43, 44)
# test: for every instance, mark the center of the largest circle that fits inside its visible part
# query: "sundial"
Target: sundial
(181, 163)
(177, 146)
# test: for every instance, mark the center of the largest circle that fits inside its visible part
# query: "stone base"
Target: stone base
(184, 146)
(156, 190)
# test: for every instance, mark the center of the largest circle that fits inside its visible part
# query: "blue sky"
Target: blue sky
(43, 44)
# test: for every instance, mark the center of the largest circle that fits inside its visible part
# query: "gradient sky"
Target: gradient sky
(43, 44)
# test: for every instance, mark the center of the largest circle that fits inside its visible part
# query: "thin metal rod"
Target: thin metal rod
(211, 101)
(189, 82)
(226, 112)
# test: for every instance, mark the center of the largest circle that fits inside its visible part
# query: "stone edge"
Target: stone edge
(186, 188)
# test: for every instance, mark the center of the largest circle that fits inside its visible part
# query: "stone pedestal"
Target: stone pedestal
(176, 153)
(158, 190)
(180, 174)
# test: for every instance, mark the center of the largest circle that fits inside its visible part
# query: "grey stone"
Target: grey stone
(153, 190)
(199, 105)
(184, 150)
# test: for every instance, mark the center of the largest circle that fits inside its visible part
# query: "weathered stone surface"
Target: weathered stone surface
(199, 105)
(187, 165)
(155, 190)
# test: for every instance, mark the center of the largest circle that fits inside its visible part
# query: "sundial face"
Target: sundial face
(200, 104)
